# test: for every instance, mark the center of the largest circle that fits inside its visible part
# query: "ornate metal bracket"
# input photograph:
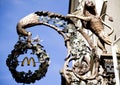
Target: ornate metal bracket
(80, 49)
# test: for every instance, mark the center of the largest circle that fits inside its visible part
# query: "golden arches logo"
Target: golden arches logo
(28, 61)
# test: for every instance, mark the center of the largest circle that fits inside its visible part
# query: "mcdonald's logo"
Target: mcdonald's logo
(28, 61)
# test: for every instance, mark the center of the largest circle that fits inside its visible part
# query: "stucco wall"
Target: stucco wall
(113, 9)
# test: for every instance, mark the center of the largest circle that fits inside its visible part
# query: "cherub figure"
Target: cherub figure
(93, 22)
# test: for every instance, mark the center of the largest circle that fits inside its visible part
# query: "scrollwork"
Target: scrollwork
(81, 50)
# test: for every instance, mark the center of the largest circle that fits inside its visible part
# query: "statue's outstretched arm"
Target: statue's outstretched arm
(79, 17)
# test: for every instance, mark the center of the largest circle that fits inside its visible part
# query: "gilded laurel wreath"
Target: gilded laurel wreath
(12, 62)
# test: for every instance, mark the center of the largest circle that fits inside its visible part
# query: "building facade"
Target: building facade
(112, 58)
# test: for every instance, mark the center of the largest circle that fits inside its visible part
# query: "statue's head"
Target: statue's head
(89, 3)
(90, 6)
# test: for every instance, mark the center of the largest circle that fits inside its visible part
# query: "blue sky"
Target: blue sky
(11, 12)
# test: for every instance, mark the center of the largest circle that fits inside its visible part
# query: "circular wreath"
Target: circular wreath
(27, 77)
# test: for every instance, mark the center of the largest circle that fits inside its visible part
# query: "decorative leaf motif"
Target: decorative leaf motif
(29, 77)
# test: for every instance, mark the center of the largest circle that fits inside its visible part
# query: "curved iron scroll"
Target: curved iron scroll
(80, 48)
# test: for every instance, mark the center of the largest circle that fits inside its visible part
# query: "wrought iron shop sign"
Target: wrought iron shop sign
(81, 50)
(21, 48)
